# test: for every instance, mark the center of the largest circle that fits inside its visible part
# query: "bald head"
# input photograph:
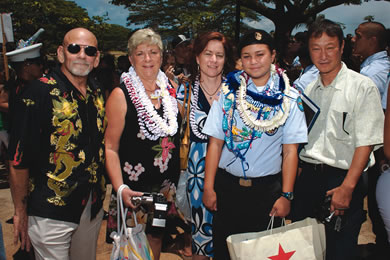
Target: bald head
(78, 53)
(377, 30)
(80, 33)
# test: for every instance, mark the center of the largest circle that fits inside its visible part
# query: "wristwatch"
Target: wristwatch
(288, 195)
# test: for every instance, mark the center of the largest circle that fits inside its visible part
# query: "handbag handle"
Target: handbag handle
(271, 223)
(122, 212)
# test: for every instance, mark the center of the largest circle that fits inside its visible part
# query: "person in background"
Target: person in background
(4, 138)
(106, 75)
(142, 138)
(369, 43)
(288, 58)
(382, 188)
(28, 66)
(212, 58)
(123, 64)
(340, 145)
(252, 155)
(56, 170)
(309, 71)
(168, 67)
(2, 248)
(182, 49)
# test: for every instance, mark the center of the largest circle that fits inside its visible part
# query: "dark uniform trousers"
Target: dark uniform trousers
(242, 209)
(309, 195)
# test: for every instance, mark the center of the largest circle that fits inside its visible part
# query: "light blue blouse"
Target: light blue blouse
(264, 157)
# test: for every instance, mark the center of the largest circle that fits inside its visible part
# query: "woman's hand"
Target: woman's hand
(281, 207)
(170, 72)
(210, 199)
(127, 195)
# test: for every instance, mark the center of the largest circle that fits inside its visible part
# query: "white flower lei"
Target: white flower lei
(151, 124)
(250, 120)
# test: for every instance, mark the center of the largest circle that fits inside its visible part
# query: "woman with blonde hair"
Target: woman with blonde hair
(142, 137)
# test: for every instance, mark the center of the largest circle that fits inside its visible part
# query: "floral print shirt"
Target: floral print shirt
(58, 134)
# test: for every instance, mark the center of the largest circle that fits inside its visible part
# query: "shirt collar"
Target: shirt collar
(335, 81)
(253, 87)
(375, 56)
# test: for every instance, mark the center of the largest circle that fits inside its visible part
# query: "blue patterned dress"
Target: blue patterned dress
(201, 218)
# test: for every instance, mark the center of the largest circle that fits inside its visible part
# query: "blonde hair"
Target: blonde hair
(144, 36)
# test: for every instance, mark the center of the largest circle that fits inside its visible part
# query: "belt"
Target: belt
(322, 168)
(249, 182)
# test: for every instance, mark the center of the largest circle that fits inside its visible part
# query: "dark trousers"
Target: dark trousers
(310, 189)
(242, 209)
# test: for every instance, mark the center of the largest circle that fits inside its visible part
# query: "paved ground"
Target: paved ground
(6, 213)
(104, 249)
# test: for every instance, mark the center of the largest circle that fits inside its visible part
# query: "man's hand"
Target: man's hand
(20, 230)
(341, 197)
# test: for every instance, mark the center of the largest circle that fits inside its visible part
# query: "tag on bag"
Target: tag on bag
(301, 240)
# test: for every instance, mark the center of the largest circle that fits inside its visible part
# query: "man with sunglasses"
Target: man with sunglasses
(57, 153)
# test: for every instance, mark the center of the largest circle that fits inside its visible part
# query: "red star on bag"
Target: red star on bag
(282, 255)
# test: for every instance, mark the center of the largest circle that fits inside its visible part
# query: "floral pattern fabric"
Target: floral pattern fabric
(147, 165)
(58, 136)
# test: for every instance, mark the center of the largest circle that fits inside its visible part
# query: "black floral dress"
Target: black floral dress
(147, 166)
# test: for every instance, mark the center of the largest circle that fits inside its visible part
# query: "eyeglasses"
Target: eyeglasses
(75, 48)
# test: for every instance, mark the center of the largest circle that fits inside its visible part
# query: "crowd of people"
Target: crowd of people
(90, 120)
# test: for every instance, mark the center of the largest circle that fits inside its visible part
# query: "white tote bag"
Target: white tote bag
(301, 240)
(129, 243)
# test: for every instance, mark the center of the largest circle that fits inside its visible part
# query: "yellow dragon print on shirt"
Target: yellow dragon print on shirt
(63, 112)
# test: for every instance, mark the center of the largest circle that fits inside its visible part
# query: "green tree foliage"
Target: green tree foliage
(57, 17)
(369, 18)
(193, 16)
(171, 17)
(287, 14)
(110, 36)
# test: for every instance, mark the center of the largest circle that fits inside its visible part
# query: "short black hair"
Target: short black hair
(321, 25)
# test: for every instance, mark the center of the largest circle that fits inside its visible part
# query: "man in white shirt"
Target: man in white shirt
(340, 143)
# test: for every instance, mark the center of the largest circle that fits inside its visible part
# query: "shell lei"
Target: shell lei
(194, 108)
(151, 124)
(244, 109)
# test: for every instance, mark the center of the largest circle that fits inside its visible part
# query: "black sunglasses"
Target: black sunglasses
(75, 48)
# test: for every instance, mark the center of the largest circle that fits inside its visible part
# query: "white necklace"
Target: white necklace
(151, 124)
(194, 108)
(249, 118)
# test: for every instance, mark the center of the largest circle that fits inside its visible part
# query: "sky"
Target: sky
(351, 16)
